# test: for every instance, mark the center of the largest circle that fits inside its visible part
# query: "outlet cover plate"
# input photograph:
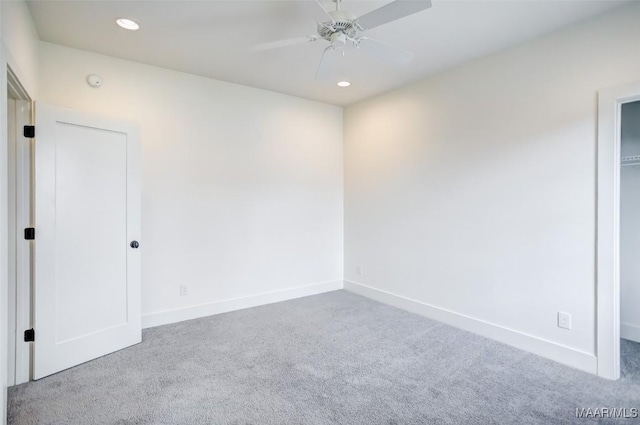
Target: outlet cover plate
(564, 320)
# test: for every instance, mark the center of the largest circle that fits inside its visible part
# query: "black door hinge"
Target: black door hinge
(29, 335)
(29, 131)
(29, 233)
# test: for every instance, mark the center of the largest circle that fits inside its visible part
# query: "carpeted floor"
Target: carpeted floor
(335, 358)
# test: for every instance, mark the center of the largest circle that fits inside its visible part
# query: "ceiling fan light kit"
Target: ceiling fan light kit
(338, 40)
(344, 28)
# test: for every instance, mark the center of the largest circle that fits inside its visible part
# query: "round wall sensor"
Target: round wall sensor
(94, 81)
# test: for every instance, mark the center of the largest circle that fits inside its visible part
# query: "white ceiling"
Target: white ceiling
(213, 38)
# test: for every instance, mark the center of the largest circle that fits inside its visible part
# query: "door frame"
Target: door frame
(20, 208)
(7, 65)
(610, 103)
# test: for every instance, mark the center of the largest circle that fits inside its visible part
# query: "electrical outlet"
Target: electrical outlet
(184, 290)
(358, 269)
(564, 320)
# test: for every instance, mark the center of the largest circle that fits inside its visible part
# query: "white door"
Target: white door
(87, 217)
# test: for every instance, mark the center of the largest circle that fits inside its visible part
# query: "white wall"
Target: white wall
(4, 238)
(241, 188)
(21, 42)
(630, 225)
(472, 193)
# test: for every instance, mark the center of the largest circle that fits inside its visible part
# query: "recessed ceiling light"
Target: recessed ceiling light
(344, 84)
(128, 24)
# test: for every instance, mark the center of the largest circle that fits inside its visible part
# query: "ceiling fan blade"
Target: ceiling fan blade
(322, 16)
(284, 43)
(384, 51)
(327, 63)
(392, 11)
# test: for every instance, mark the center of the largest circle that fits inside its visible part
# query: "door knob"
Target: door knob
(134, 244)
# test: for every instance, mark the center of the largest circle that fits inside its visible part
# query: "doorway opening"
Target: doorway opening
(20, 216)
(630, 238)
(611, 245)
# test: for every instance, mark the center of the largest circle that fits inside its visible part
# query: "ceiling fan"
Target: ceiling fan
(343, 28)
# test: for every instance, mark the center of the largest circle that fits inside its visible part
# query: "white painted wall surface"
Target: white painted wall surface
(630, 225)
(4, 238)
(21, 41)
(242, 190)
(474, 191)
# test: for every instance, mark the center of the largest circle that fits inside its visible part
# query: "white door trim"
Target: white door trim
(610, 103)
(20, 254)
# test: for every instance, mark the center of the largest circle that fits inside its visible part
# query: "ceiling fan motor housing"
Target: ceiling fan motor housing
(338, 31)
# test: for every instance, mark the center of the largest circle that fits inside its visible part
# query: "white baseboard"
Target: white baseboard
(629, 331)
(551, 350)
(193, 312)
